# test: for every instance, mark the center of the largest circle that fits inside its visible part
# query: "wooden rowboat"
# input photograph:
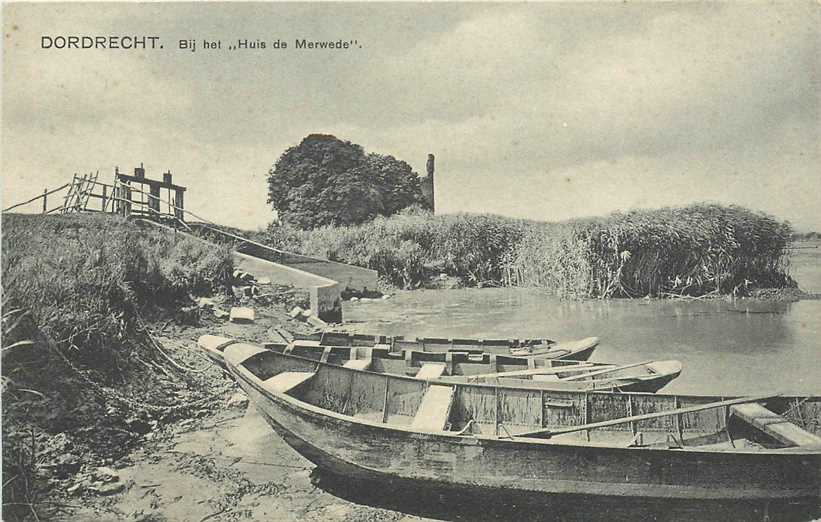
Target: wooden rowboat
(647, 376)
(579, 350)
(472, 366)
(371, 426)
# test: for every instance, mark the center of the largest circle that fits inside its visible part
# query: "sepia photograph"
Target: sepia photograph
(410, 261)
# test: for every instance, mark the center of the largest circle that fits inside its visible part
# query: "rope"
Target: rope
(158, 346)
(111, 395)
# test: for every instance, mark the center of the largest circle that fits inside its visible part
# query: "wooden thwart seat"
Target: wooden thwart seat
(774, 425)
(358, 364)
(360, 358)
(431, 371)
(286, 381)
(434, 411)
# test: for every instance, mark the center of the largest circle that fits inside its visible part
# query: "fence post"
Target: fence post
(45, 195)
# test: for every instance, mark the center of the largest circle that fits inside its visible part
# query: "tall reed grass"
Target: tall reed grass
(405, 248)
(693, 250)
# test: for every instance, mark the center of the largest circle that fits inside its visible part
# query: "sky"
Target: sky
(541, 110)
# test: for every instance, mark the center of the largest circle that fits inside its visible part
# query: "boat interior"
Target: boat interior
(489, 368)
(383, 359)
(399, 342)
(537, 347)
(508, 412)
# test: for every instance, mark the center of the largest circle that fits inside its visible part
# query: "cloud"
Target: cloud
(540, 110)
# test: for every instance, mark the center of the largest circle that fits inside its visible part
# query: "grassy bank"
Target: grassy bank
(82, 277)
(694, 250)
(82, 379)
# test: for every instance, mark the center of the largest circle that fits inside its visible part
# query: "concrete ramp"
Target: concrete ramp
(348, 277)
(325, 280)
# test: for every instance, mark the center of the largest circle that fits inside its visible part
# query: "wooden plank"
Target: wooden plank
(608, 370)
(326, 352)
(679, 421)
(531, 372)
(148, 181)
(496, 421)
(307, 342)
(286, 381)
(647, 416)
(89, 187)
(434, 410)
(431, 371)
(385, 399)
(358, 364)
(36, 198)
(69, 193)
(774, 425)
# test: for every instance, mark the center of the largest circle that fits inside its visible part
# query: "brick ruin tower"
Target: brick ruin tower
(427, 184)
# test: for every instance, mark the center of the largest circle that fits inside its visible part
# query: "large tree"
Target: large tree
(327, 181)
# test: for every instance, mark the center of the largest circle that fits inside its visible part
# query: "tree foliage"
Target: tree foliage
(327, 181)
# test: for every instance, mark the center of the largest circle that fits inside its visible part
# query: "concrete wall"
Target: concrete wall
(353, 278)
(326, 294)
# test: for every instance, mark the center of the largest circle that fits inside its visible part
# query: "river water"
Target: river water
(728, 347)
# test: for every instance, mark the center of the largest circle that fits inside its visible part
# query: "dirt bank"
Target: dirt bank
(220, 462)
(229, 466)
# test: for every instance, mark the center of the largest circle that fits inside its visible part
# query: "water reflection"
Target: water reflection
(476, 504)
(727, 347)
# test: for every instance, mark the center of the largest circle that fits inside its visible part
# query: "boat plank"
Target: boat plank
(431, 371)
(774, 425)
(286, 381)
(647, 416)
(358, 364)
(435, 408)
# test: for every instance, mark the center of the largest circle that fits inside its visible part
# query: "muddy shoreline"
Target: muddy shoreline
(223, 463)
(220, 462)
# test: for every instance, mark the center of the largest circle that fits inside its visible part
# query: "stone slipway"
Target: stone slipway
(325, 280)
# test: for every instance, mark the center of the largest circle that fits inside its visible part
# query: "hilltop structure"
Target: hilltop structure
(427, 184)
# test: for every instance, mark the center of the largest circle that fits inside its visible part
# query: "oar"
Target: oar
(647, 416)
(533, 371)
(609, 370)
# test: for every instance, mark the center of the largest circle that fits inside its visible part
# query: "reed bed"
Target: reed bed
(408, 248)
(685, 251)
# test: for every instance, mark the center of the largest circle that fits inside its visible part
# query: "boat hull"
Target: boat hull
(578, 350)
(349, 447)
